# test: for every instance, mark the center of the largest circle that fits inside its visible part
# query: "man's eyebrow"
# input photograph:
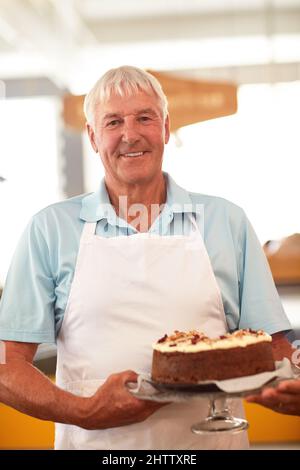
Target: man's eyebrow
(111, 115)
(135, 111)
(145, 111)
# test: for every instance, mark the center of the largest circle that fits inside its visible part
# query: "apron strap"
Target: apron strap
(195, 227)
(89, 230)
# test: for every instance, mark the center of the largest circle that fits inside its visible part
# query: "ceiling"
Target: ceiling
(74, 41)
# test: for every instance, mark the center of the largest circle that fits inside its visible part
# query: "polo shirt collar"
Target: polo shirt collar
(97, 206)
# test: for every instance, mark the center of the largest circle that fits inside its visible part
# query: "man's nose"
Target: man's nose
(130, 132)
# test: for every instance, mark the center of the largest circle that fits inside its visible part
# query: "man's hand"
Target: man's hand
(113, 405)
(285, 398)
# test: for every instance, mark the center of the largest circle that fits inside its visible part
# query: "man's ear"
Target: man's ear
(91, 135)
(167, 129)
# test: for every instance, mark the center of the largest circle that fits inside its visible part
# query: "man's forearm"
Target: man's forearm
(26, 389)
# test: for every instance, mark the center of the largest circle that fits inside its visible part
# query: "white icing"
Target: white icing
(237, 339)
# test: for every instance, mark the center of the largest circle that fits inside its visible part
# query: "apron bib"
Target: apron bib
(127, 292)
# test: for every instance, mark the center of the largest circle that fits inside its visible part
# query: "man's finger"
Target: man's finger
(290, 386)
(265, 394)
(129, 376)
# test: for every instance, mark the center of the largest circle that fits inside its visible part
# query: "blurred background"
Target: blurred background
(231, 70)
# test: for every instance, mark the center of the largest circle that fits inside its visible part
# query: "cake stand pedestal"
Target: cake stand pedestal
(219, 419)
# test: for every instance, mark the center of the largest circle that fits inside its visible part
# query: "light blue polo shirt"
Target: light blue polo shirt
(42, 269)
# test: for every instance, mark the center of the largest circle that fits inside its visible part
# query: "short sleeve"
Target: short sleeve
(27, 304)
(260, 304)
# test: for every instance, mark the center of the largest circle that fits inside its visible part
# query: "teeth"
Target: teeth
(136, 154)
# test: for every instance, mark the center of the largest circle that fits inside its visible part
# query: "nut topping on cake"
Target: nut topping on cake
(193, 341)
(163, 339)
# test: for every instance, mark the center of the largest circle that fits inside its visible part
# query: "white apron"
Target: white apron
(127, 292)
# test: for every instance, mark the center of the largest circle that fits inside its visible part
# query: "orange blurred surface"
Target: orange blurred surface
(18, 431)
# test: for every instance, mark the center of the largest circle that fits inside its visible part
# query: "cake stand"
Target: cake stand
(219, 419)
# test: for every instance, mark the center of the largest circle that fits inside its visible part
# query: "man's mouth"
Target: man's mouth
(133, 154)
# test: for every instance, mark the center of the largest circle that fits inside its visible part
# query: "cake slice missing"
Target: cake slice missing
(192, 357)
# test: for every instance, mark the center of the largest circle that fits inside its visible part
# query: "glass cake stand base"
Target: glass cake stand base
(220, 421)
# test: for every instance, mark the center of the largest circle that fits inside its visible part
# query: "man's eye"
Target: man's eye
(113, 123)
(144, 118)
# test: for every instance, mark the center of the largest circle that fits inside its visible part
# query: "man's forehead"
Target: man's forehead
(133, 104)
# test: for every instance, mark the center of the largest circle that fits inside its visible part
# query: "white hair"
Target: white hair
(123, 81)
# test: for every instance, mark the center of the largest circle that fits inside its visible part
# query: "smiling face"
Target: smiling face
(130, 133)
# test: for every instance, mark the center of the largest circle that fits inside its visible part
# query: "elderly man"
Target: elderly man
(105, 283)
